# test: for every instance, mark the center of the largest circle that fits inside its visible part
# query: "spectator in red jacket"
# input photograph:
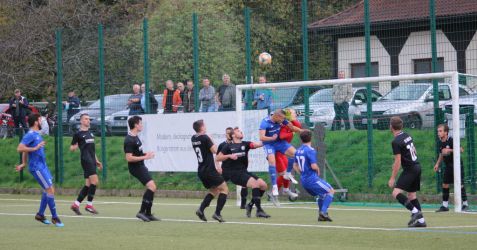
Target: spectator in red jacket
(171, 99)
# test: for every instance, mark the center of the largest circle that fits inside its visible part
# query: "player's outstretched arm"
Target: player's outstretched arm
(264, 138)
(396, 167)
(315, 167)
(24, 162)
(74, 147)
(257, 144)
(131, 158)
(22, 148)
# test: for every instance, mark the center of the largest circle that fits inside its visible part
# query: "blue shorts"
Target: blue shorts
(317, 188)
(43, 177)
(276, 146)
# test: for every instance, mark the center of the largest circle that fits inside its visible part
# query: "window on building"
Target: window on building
(358, 70)
(423, 66)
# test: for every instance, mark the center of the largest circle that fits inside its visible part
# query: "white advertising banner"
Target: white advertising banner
(169, 136)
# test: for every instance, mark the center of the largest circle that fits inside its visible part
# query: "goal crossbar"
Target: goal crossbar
(453, 75)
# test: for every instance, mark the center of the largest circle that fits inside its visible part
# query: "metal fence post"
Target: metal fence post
(59, 105)
(369, 103)
(195, 40)
(435, 85)
(304, 40)
(101, 96)
(248, 58)
(145, 30)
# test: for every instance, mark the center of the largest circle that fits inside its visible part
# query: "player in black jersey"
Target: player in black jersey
(234, 169)
(228, 139)
(84, 140)
(446, 154)
(205, 149)
(410, 178)
(135, 158)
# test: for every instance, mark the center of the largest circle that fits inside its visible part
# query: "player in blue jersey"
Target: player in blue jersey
(269, 134)
(32, 146)
(305, 163)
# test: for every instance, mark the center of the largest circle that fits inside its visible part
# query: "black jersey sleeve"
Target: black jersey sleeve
(128, 146)
(451, 143)
(396, 148)
(248, 145)
(225, 150)
(75, 139)
(208, 142)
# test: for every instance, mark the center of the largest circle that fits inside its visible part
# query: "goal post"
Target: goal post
(452, 78)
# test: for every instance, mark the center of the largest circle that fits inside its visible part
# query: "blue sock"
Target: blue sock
(326, 203)
(43, 204)
(52, 205)
(291, 160)
(319, 201)
(273, 174)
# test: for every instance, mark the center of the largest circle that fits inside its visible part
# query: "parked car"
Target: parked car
(470, 99)
(112, 104)
(412, 102)
(322, 106)
(117, 123)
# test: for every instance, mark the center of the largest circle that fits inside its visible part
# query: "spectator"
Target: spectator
(72, 106)
(152, 100)
(134, 101)
(207, 97)
(171, 99)
(181, 88)
(44, 126)
(342, 94)
(189, 98)
(262, 98)
(226, 95)
(19, 110)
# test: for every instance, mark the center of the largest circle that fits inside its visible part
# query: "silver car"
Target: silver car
(117, 123)
(412, 102)
(322, 110)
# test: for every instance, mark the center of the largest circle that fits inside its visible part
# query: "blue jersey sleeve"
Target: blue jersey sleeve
(311, 155)
(27, 139)
(263, 125)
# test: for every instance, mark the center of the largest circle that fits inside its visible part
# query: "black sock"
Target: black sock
(82, 194)
(206, 202)
(445, 194)
(151, 201)
(256, 198)
(262, 192)
(416, 204)
(404, 201)
(463, 194)
(146, 200)
(220, 203)
(243, 195)
(91, 192)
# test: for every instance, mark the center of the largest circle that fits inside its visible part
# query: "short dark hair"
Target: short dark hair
(32, 118)
(444, 126)
(197, 125)
(133, 121)
(84, 114)
(305, 136)
(396, 123)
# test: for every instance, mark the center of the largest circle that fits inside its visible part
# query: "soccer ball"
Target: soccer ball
(264, 58)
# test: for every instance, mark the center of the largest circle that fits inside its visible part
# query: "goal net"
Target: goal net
(350, 120)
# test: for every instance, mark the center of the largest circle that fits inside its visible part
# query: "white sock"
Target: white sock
(414, 210)
(286, 190)
(90, 203)
(421, 220)
(77, 203)
(445, 203)
(465, 203)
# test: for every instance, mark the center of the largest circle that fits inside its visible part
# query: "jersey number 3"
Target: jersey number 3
(412, 150)
(199, 155)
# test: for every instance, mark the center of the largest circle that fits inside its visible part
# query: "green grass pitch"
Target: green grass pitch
(292, 226)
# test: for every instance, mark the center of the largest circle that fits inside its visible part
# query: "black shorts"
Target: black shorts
(210, 178)
(410, 179)
(141, 173)
(238, 177)
(448, 176)
(88, 169)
